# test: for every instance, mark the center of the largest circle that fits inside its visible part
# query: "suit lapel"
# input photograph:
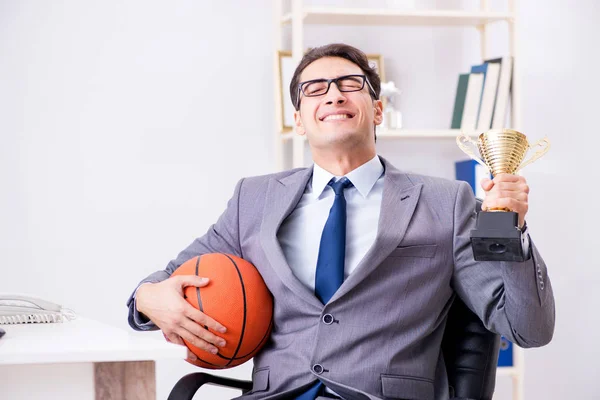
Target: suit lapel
(399, 200)
(281, 199)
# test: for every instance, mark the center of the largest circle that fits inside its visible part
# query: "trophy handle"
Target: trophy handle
(546, 146)
(463, 141)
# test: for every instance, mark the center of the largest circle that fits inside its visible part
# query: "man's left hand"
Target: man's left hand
(507, 191)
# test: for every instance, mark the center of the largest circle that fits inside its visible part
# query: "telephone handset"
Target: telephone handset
(22, 309)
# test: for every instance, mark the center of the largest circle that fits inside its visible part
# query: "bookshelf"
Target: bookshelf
(300, 17)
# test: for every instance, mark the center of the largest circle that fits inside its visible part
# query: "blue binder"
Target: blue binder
(471, 172)
(505, 358)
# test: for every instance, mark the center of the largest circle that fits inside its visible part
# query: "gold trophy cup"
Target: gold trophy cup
(497, 236)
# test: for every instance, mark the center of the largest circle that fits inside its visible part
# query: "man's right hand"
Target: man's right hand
(163, 303)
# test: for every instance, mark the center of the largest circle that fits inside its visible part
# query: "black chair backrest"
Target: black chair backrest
(470, 354)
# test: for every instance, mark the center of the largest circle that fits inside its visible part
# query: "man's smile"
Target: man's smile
(336, 116)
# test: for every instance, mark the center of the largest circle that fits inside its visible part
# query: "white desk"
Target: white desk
(80, 360)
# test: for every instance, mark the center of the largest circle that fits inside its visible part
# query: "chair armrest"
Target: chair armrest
(186, 387)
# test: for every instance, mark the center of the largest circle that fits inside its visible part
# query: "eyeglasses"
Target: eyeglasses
(346, 83)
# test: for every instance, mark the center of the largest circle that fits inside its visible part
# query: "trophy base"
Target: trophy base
(497, 237)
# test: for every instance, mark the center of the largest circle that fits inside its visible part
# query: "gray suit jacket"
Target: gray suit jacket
(391, 311)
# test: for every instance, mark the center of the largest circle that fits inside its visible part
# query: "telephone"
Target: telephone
(22, 309)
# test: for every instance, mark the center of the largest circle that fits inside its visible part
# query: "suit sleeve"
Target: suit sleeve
(222, 237)
(513, 299)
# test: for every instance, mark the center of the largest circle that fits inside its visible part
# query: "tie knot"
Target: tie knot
(339, 186)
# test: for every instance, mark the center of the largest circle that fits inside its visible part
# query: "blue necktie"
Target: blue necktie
(330, 263)
(332, 249)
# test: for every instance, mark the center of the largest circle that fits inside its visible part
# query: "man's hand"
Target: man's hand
(507, 191)
(163, 304)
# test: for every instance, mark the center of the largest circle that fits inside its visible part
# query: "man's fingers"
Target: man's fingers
(196, 341)
(174, 338)
(511, 187)
(202, 333)
(203, 319)
(191, 280)
(191, 356)
(495, 196)
(508, 178)
(507, 191)
(487, 184)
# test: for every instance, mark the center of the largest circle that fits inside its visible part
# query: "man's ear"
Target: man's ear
(378, 117)
(299, 126)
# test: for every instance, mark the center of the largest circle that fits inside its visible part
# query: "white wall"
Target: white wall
(561, 101)
(125, 125)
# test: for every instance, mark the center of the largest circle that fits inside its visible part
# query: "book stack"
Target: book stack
(482, 96)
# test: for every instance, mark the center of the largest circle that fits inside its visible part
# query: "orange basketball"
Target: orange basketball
(236, 297)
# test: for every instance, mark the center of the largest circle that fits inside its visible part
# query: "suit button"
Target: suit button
(317, 369)
(328, 319)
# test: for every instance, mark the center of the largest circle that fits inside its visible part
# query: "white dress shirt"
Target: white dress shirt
(300, 233)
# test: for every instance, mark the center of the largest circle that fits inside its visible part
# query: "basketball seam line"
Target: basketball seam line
(262, 341)
(198, 289)
(245, 311)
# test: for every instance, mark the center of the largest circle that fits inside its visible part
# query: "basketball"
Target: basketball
(236, 297)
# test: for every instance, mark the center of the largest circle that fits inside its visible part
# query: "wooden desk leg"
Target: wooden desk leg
(130, 380)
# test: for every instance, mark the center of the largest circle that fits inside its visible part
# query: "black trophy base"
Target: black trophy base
(497, 237)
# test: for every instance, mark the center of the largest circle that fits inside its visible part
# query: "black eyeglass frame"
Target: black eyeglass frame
(329, 82)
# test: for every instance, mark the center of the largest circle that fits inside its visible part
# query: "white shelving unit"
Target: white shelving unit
(397, 134)
(354, 16)
(300, 16)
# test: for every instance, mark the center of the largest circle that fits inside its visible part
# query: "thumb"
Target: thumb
(487, 184)
(192, 280)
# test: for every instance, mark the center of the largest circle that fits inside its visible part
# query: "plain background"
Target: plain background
(124, 126)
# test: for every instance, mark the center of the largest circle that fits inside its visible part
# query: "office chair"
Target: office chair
(470, 354)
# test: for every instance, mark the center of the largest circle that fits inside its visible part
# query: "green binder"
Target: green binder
(459, 101)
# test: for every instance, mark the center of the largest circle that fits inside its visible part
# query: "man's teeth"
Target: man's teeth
(335, 116)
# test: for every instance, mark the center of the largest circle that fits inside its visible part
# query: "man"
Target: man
(363, 260)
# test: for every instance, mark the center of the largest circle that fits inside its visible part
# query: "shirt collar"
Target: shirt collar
(363, 178)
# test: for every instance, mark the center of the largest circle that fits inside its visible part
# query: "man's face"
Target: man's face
(336, 117)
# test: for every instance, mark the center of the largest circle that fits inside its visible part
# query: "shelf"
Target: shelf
(366, 16)
(507, 371)
(403, 134)
(421, 133)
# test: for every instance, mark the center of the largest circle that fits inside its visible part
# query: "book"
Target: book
(504, 91)
(459, 101)
(472, 101)
(488, 97)
(472, 172)
(480, 69)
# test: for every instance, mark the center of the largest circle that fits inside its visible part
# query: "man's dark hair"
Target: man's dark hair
(340, 50)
